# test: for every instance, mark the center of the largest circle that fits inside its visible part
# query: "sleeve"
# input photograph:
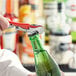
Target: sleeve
(15, 68)
(13, 71)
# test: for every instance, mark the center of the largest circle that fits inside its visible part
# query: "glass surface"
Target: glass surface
(45, 66)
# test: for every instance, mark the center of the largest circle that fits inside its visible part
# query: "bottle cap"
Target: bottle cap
(32, 34)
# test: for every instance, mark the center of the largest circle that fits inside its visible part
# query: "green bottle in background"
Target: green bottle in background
(44, 63)
(73, 33)
(45, 1)
(73, 30)
(65, 0)
(62, 1)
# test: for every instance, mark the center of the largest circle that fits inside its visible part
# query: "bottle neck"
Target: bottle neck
(36, 43)
(61, 7)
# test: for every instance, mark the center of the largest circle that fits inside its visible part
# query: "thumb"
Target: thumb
(3, 23)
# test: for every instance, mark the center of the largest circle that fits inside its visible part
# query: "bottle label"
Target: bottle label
(50, 8)
(71, 8)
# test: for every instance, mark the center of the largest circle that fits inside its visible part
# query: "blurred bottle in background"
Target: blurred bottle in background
(73, 31)
(50, 9)
(0, 5)
(9, 14)
(60, 37)
(37, 15)
(24, 11)
(36, 10)
(9, 37)
(65, 1)
(71, 13)
(70, 6)
(0, 13)
(26, 53)
(30, 11)
(16, 8)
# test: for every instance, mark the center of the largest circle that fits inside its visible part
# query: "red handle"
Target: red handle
(23, 25)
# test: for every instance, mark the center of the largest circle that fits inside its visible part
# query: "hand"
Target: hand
(3, 23)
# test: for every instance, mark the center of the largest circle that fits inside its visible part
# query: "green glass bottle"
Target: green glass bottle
(44, 63)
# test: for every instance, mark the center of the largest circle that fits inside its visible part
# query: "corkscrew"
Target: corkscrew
(28, 27)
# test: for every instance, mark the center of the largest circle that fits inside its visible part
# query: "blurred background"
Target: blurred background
(58, 17)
